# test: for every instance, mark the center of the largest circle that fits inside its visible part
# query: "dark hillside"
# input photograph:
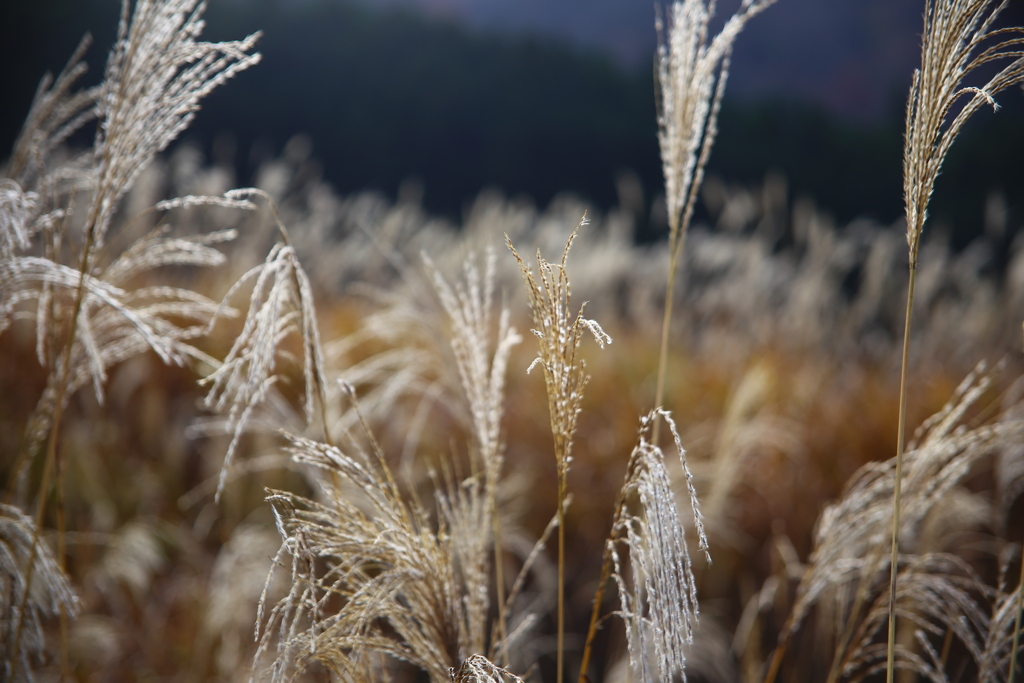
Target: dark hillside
(387, 95)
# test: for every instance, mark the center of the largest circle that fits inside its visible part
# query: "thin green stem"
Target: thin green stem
(898, 484)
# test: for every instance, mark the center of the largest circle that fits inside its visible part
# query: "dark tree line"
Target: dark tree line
(388, 95)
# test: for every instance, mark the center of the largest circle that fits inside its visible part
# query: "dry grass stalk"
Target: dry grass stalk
(959, 38)
(374, 574)
(661, 607)
(396, 585)
(281, 304)
(481, 368)
(1001, 648)
(845, 563)
(156, 74)
(938, 594)
(55, 114)
(559, 333)
(51, 593)
(644, 470)
(482, 374)
(479, 669)
(393, 585)
(692, 69)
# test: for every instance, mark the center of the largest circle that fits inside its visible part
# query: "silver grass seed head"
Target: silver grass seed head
(481, 363)
(56, 112)
(479, 669)
(559, 334)
(661, 608)
(50, 592)
(371, 575)
(692, 68)
(281, 304)
(155, 77)
(937, 461)
(959, 37)
(16, 206)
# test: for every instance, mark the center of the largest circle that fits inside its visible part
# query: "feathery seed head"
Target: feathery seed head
(15, 208)
(50, 590)
(481, 364)
(692, 68)
(479, 669)
(559, 334)
(959, 37)
(155, 77)
(937, 460)
(281, 304)
(660, 608)
(371, 575)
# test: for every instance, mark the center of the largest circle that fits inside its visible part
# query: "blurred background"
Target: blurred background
(384, 129)
(436, 100)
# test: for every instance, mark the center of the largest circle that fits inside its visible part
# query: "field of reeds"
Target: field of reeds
(273, 433)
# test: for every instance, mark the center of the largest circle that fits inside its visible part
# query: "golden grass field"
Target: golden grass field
(358, 416)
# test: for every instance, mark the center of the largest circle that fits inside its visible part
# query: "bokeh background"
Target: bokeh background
(442, 98)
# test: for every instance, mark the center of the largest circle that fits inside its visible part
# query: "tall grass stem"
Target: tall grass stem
(666, 324)
(559, 333)
(62, 554)
(898, 484)
(499, 581)
(561, 578)
(595, 614)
